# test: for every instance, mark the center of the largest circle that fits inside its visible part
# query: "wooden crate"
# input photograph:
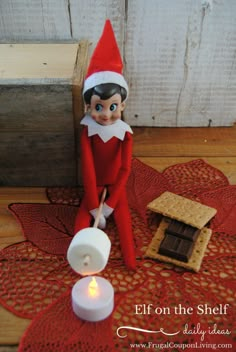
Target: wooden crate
(40, 105)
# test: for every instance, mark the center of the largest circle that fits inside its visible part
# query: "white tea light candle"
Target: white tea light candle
(93, 298)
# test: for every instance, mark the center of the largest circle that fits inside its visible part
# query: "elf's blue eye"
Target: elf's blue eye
(113, 107)
(98, 107)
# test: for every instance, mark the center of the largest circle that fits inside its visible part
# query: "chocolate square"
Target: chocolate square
(176, 247)
(182, 230)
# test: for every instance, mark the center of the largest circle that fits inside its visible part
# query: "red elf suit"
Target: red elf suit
(106, 154)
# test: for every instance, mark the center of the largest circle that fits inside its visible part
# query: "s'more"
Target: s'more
(182, 235)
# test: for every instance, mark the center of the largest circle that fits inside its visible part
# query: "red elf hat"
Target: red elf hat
(106, 63)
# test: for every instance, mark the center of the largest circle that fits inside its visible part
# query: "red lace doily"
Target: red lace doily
(36, 279)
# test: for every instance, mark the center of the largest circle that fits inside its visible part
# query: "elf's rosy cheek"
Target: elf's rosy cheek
(94, 116)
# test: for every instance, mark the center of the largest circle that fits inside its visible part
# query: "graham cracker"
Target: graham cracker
(182, 209)
(197, 255)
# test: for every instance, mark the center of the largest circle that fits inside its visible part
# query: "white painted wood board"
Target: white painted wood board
(181, 63)
(155, 47)
(208, 91)
(88, 18)
(37, 63)
(37, 20)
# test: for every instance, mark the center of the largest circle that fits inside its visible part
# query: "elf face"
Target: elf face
(106, 112)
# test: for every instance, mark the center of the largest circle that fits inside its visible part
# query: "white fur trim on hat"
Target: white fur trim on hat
(105, 77)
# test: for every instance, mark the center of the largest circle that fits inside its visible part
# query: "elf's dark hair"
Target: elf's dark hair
(105, 91)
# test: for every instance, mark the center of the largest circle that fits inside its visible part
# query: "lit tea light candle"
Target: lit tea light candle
(93, 298)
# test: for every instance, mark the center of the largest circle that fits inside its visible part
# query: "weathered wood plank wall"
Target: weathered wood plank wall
(40, 103)
(36, 132)
(181, 62)
(179, 55)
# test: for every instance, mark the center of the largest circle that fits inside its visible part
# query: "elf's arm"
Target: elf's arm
(88, 171)
(123, 175)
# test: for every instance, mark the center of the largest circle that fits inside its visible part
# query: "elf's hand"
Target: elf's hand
(102, 220)
(106, 210)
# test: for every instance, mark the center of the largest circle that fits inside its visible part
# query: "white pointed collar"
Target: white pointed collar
(117, 129)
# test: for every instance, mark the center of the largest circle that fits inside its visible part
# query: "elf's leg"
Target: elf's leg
(123, 223)
(83, 217)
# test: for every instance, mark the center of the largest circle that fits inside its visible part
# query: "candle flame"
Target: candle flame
(93, 287)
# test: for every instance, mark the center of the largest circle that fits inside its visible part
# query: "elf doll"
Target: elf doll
(106, 144)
